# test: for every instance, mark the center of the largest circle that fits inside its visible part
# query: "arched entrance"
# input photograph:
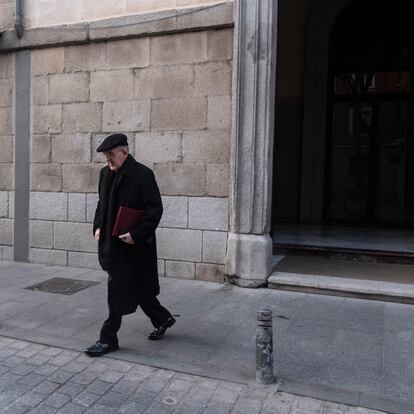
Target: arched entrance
(357, 157)
(369, 136)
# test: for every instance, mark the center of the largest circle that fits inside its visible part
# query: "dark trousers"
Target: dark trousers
(151, 307)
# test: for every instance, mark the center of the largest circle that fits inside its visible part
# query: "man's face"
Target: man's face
(115, 157)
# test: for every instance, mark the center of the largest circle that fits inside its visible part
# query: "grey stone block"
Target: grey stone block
(80, 178)
(46, 177)
(164, 82)
(4, 204)
(119, 53)
(84, 260)
(177, 244)
(11, 204)
(71, 148)
(7, 253)
(40, 90)
(175, 212)
(47, 119)
(126, 116)
(179, 48)
(76, 207)
(82, 117)
(48, 61)
(151, 148)
(5, 92)
(6, 66)
(219, 112)
(208, 213)
(161, 267)
(179, 114)
(213, 78)
(210, 272)
(41, 148)
(113, 85)
(7, 146)
(48, 256)
(69, 87)
(91, 203)
(41, 233)
(41, 203)
(214, 247)
(220, 15)
(182, 270)
(88, 57)
(220, 44)
(218, 180)
(206, 147)
(5, 121)
(181, 179)
(74, 237)
(6, 231)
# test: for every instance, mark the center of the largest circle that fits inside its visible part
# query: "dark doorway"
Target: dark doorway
(370, 137)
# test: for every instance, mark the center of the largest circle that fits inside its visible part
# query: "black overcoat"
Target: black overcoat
(132, 268)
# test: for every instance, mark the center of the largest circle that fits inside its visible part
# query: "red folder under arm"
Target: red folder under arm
(126, 220)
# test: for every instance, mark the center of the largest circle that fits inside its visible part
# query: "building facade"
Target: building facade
(232, 104)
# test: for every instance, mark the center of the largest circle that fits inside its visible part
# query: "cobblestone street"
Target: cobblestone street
(41, 379)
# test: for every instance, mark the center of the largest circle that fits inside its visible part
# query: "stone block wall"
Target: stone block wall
(41, 13)
(171, 95)
(6, 155)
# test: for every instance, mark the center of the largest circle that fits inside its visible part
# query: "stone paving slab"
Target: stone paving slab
(340, 349)
(44, 379)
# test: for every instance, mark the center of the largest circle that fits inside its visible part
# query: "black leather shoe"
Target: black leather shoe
(99, 349)
(159, 332)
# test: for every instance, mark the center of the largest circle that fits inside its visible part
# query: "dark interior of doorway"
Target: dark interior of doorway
(369, 154)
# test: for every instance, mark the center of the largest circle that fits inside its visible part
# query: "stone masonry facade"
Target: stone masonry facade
(6, 155)
(171, 95)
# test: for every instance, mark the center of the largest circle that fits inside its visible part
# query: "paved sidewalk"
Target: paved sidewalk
(350, 351)
(44, 380)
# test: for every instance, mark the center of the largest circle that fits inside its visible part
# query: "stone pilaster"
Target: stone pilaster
(249, 251)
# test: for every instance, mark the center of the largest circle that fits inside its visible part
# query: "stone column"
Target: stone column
(249, 250)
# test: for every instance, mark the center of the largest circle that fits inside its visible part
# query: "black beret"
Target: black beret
(113, 141)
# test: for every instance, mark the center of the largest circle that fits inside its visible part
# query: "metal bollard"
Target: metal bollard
(264, 347)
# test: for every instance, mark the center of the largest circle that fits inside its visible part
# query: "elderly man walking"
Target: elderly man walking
(130, 258)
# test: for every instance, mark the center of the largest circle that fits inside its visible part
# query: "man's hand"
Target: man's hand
(97, 233)
(126, 238)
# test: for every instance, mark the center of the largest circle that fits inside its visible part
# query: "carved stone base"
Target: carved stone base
(249, 259)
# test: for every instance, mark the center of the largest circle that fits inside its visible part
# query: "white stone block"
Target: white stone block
(48, 206)
(131, 53)
(47, 61)
(164, 82)
(112, 85)
(74, 237)
(6, 231)
(126, 116)
(40, 90)
(91, 203)
(219, 112)
(41, 148)
(46, 177)
(85, 260)
(179, 48)
(48, 256)
(152, 148)
(47, 119)
(80, 178)
(181, 270)
(208, 213)
(82, 117)
(179, 244)
(74, 147)
(210, 147)
(69, 87)
(213, 78)
(7, 253)
(175, 212)
(4, 204)
(88, 57)
(214, 247)
(76, 207)
(6, 177)
(7, 149)
(5, 121)
(41, 234)
(218, 176)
